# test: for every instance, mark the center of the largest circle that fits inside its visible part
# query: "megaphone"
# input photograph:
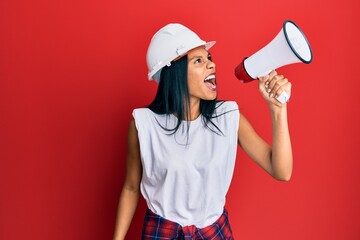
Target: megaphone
(289, 46)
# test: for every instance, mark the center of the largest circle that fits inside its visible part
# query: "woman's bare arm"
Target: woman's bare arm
(131, 190)
(277, 159)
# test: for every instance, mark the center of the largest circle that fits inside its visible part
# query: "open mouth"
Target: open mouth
(210, 82)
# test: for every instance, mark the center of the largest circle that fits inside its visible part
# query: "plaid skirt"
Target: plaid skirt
(156, 227)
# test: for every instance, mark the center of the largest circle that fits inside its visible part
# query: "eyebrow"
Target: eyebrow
(200, 56)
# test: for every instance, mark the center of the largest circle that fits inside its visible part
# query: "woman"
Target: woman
(182, 147)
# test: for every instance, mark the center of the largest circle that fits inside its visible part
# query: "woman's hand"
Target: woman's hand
(271, 87)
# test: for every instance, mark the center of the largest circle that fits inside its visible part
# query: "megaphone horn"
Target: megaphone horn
(289, 46)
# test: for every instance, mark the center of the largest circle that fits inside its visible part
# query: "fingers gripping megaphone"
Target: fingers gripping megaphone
(289, 46)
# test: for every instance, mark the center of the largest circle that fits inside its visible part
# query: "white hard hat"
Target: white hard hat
(169, 43)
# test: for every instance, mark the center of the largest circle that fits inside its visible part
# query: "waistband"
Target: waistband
(157, 227)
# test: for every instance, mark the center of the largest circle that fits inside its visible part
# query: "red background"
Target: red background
(72, 71)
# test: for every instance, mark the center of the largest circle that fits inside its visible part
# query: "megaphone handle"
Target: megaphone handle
(283, 98)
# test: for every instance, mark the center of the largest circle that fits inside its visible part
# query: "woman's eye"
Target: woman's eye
(210, 58)
(198, 60)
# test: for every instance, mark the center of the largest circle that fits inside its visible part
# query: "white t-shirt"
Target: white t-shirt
(185, 179)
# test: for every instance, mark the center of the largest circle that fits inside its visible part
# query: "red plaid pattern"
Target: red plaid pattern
(156, 227)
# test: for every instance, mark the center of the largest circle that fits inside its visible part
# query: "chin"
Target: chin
(210, 98)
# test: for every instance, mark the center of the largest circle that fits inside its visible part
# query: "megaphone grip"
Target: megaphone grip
(283, 98)
(242, 74)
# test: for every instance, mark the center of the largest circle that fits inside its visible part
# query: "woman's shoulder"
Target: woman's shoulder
(147, 115)
(143, 110)
(142, 117)
(141, 114)
(225, 106)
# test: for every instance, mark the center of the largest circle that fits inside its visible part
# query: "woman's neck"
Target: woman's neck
(194, 109)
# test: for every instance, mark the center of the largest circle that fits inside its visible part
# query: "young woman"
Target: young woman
(182, 147)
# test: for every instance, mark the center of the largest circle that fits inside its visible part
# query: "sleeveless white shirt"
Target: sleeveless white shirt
(185, 179)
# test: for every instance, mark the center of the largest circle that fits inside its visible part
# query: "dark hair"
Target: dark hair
(173, 97)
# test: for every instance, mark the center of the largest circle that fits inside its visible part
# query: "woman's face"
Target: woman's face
(201, 75)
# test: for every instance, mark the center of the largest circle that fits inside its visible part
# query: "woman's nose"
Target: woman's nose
(210, 64)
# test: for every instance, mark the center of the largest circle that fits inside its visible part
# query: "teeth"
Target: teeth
(210, 77)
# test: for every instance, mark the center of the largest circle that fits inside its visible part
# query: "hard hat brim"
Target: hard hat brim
(208, 45)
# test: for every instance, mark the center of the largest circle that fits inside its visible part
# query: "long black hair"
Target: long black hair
(172, 97)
